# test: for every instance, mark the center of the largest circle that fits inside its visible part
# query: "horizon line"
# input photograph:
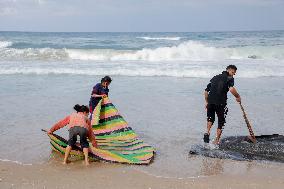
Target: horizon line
(213, 31)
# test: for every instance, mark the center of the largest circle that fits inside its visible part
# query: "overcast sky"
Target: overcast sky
(141, 15)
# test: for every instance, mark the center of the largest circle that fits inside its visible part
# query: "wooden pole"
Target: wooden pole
(252, 138)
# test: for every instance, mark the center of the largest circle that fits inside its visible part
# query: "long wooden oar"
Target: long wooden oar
(253, 139)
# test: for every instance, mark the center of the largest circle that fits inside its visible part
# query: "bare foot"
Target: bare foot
(87, 163)
(66, 162)
(216, 142)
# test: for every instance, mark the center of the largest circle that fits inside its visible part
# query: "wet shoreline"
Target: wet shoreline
(167, 113)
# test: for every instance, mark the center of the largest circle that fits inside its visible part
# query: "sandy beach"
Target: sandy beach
(103, 175)
(172, 166)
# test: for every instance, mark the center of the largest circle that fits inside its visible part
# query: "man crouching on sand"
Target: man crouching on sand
(216, 100)
(79, 124)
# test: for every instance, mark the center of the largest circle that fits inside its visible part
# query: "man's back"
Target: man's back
(218, 88)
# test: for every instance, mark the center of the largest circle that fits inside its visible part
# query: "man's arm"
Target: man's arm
(91, 134)
(206, 93)
(206, 98)
(60, 124)
(234, 92)
(100, 96)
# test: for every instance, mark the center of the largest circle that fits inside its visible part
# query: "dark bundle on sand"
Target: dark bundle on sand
(268, 147)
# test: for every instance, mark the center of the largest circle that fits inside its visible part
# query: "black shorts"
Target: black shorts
(221, 111)
(82, 132)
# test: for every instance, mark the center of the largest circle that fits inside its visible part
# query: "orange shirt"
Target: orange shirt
(78, 119)
(75, 119)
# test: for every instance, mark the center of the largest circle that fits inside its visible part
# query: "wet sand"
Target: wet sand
(167, 113)
(105, 175)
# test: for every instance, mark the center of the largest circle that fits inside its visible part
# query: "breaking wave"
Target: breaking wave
(4, 44)
(161, 38)
(188, 59)
(252, 69)
(186, 51)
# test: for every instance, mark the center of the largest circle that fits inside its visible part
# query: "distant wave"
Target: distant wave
(186, 51)
(33, 54)
(161, 38)
(4, 44)
(144, 72)
(251, 69)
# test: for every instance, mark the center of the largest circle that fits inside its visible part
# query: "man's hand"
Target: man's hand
(49, 132)
(238, 99)
(94, 143)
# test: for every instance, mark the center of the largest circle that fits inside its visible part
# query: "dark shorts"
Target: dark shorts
(82, 132)
(221, 111)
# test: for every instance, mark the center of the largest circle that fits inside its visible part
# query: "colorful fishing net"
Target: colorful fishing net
(117, 142)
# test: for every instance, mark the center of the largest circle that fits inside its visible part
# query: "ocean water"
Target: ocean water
(158, 83)
(257, 54)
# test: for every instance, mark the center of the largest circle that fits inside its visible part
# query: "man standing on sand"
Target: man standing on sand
(216, 100)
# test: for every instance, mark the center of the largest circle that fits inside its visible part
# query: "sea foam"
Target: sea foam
(198, 69)
(160, 38)
(186, 51)
(4, 44)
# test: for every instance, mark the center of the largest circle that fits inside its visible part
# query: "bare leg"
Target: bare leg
(221, 113)
(219, 133)
(209, 125)
(67, 152)
(86, 153)
(206, 137)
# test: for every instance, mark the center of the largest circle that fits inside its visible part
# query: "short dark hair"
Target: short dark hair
(232, 67)
(82, 108)
(106, 79)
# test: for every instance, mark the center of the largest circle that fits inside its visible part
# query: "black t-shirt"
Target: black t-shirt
(218, 88)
